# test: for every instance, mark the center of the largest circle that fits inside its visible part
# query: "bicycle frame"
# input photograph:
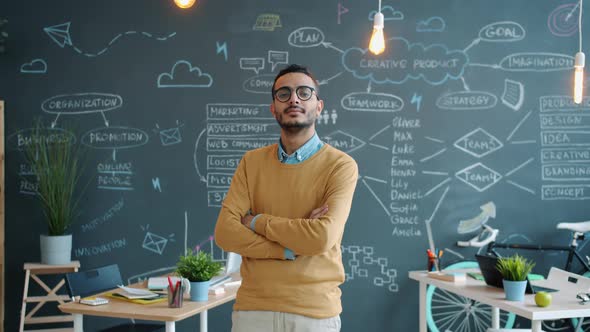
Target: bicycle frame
(571, 250)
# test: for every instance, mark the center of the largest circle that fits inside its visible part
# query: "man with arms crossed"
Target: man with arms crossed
(285, 213)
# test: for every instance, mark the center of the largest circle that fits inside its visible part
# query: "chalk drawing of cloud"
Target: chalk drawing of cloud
(402, 61)
(184, 75)
(37, 66)
(432, 24)
(389, 14)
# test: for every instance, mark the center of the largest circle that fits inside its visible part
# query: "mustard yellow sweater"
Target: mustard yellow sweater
(283, 196)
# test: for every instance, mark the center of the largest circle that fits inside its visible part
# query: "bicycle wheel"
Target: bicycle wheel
(563, 325)
(446, 311)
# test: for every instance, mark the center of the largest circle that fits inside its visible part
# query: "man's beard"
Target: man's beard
(295, 126)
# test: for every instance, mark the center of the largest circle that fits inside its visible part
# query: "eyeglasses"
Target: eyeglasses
(303, 92)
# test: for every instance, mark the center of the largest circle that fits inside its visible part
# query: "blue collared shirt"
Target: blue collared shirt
(313, 145)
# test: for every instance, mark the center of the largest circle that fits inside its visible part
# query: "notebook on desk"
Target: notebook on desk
(493, 277)
(232, 266)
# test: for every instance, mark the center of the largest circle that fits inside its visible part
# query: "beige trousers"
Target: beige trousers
(269, 321)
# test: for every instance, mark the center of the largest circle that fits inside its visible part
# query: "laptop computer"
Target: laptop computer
(493, 277)
(232, 265)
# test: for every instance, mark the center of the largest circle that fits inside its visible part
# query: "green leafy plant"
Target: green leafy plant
(197, 266)
(515, 268)
(56, 161)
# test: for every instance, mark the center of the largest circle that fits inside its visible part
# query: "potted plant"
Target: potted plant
(56, 162)
(198, 267)
(514, 270)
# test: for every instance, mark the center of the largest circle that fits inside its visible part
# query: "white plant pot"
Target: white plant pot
(56, 250)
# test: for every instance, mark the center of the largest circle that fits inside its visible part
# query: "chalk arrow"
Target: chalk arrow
(201, 177)
(329, 45)
(104, 118)
(54, 122)
(325, 81)
(488, 211)
(473, 43)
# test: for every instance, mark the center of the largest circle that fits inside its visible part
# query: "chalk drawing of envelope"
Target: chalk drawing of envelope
(170, 136)
(154, 243)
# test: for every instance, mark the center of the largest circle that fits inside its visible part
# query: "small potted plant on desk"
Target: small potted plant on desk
(198, 268)
(514, 270)
(57, 164)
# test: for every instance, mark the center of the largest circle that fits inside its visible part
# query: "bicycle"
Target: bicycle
(446, 311)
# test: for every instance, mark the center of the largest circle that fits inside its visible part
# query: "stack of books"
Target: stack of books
(137, 295)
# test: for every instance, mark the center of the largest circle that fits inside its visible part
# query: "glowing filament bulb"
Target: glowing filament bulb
(184, 3)
(377, 43)
(579, 77)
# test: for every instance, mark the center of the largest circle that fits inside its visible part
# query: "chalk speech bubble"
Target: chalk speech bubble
(255, 64)
(278, 57)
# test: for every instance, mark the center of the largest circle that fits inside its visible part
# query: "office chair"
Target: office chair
(86, 283)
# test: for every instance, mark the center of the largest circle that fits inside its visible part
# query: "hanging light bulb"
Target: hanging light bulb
(579, 77)
(184, 3)
(377, 43)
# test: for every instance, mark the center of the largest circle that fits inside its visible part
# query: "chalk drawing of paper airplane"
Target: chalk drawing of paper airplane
(155, 243)
(170, 136)
(60, 34)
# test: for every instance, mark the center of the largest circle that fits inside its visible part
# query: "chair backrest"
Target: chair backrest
(89, 282)
(561, 279)
(234, 261)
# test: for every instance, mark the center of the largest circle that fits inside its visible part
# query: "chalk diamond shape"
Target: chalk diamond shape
(343, 141)
(479, 176)
(478, 143)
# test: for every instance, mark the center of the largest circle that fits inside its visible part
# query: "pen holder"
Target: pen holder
(433, 263)
(175, 297)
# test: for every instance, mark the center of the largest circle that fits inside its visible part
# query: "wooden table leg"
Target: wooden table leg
(536, 326)
(24, 306)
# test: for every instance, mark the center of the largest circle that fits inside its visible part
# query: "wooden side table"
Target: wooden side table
(33, 271)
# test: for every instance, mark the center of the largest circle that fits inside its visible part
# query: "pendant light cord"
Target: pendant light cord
(380, 12)
(579, 24)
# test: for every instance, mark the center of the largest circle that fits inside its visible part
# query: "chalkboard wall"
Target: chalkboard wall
(469, 106)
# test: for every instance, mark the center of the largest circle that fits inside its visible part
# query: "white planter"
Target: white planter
(56, 250)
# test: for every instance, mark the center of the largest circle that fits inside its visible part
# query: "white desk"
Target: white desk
(564, 303)
(154, 312)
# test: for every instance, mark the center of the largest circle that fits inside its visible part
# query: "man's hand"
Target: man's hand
(318, 212)
(247, 219)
